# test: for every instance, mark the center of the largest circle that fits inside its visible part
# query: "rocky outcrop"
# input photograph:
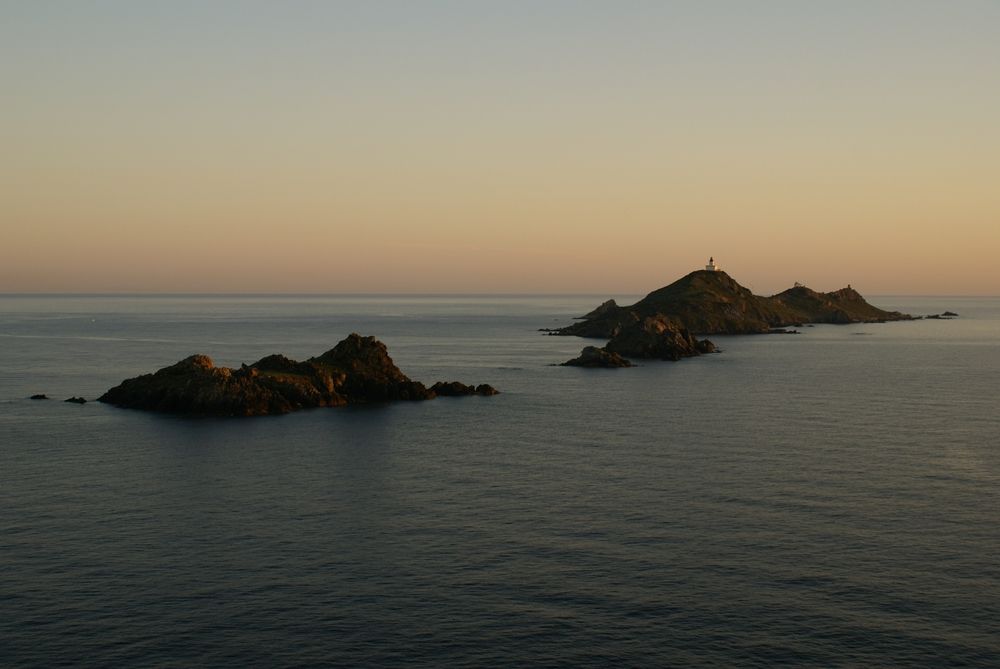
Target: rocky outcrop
(457, 389)
(39, 396)
(713, 303)
(606, 309)
(358, 370)
(657, 337)
(840, 306)
(591, 356)
(663, 324)
(705, 302)
(75, 400)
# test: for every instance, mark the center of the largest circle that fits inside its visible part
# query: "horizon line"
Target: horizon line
(389, 294)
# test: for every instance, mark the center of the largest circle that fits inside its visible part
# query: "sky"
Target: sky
(499, 147)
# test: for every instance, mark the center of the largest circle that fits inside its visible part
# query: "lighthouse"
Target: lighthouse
(711, 266)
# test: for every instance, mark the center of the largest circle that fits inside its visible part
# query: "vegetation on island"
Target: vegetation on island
(663, 324)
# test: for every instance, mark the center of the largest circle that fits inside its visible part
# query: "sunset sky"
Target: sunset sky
(599, 147)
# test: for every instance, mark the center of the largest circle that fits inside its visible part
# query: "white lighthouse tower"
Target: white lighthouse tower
(711, 266)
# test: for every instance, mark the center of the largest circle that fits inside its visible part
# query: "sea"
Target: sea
(822, 499)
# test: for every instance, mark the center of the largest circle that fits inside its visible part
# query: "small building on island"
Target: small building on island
(711, 266)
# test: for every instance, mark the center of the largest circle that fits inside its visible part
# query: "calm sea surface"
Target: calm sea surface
(828, 499)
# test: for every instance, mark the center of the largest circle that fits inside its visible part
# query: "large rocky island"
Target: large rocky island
(358, 370)
(663, 324)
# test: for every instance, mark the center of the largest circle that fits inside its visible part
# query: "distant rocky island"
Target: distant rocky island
(358, 370)
(663, 324)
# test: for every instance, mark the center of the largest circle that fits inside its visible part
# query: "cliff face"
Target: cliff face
(358, 370)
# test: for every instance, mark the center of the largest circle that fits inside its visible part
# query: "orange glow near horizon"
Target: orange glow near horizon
(458, 150)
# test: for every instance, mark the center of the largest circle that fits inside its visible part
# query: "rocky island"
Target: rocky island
(663, 324)
(358, 370)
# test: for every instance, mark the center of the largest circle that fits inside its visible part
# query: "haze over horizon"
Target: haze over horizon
(454, 147)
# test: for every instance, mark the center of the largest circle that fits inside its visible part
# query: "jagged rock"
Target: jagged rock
(357, 370)
(950, 314)
(76, 400)
(452, 389)
(591, 356)
(705, 346)
(40, 396)
(657, 337)
(457, 389)
(606, 309)
(369, 375)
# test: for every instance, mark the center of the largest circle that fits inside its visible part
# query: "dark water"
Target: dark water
(827, 499)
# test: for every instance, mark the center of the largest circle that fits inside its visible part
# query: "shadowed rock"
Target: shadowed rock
(591, 356)
(76, 400)
(457, 389)
(606, 309)
(40, 396)
(358, 370)
(657, 337)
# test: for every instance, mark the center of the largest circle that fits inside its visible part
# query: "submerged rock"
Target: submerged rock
(39, 396)
(76, 400)
(358, 370)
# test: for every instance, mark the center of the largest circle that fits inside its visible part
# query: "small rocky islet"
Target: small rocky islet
(358, 370)
(71, 400)
(663, 325)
